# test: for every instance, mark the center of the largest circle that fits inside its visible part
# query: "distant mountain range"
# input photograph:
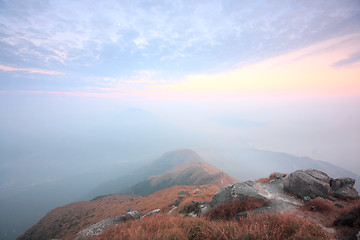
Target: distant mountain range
(186, 167)
(178, 167)
(252, 163)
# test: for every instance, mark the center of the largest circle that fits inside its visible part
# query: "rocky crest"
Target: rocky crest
(278, 193)
(99, 227)
(314, 183)
(303, 184)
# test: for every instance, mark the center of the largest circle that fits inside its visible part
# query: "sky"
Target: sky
(277, 75)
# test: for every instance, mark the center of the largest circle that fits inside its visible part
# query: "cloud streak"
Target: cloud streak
(307, 69)
(173, 34)
(29, 70)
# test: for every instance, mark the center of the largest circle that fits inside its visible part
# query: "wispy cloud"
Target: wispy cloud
(138, 80)
(69, 93)
(307, 69)
(181, 32)
(29, 70)
(348, 61)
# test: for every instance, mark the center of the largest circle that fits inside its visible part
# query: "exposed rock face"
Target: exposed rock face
(132, 215)
(235, 191)
(99, 227)
(183, 193)
(313, 183)
(308, 183)
(305, 184)
(343, 188)
(156, 211)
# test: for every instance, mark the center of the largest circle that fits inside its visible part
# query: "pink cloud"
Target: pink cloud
(30, 70)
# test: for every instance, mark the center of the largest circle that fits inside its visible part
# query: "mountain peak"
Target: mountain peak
(179, 157)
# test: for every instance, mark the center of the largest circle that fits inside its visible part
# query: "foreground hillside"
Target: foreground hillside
(64, 222)
(305, 204)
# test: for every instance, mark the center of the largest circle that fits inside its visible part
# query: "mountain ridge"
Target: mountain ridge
(166, 162)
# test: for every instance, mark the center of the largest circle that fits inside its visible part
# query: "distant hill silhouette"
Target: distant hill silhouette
(178, 167)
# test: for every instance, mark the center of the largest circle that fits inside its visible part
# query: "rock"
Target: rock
(178, 201)
(339, 205)
(310, 182)
(98, 228)
(132, 215)
(343, 188)
(156, 211)
(235, 191)
(335, 184)
(183, 193)
(204, 207)
(346, 192)
(223, 195)
(200, 207)
(346, 181)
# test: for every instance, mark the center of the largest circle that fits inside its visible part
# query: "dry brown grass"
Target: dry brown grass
(320, 205)
(260, 226)
(229, 210)
(64, 222)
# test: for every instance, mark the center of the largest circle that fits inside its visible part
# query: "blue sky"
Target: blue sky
(83, 45)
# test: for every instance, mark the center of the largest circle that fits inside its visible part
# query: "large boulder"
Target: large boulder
(346, 192)
(343, 188)
(240, 190)
(98, 228)
(308, 183)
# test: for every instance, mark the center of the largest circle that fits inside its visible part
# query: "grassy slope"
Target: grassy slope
(64, 222)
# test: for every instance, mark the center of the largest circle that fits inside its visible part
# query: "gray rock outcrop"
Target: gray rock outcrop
(314, 183)
(156, 211)
(240, 190)
(99, 227)
(308, 183)
(343, 188)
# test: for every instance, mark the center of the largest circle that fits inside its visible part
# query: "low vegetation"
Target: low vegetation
(229, 210)
(320, 205)
(261, 226)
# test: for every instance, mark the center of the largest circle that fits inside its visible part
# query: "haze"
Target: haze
(90, 90)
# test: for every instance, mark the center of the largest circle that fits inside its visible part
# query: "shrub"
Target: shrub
(319, 205)
(227, 211)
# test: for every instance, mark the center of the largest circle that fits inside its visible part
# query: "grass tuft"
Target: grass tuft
(227, 211)
(260, 226)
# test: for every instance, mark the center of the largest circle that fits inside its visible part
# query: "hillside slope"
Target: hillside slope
(191, 174)
(64, 222)
(253, 163)
(178, 167)
(166, 162)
